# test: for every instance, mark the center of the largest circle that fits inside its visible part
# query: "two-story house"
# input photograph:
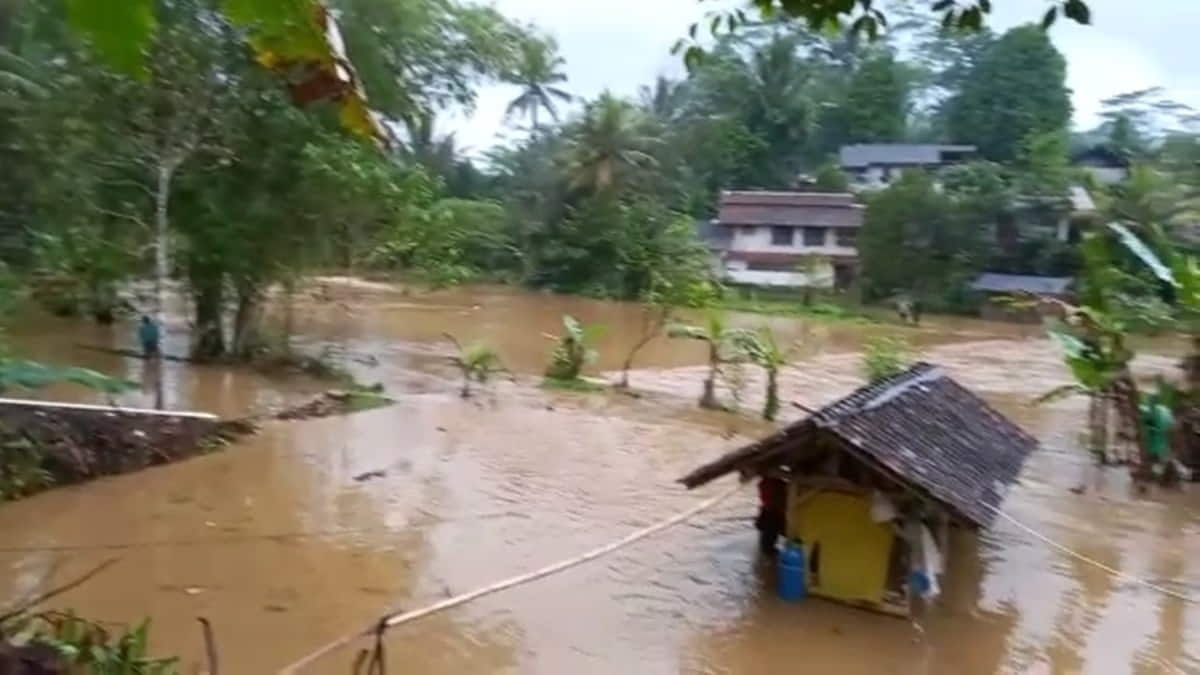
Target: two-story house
(873, 166)
(796, 239)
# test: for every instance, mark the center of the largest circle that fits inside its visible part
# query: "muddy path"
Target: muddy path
(278, 544)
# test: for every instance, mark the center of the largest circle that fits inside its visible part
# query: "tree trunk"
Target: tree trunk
(209, 338)
(162, 263)
(708, 399)
(771, 408)
(246, 323)
(1125, 394)
(1098, 425)
(289, 315)
(625, 367)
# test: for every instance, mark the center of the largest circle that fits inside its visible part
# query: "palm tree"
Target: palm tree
(539, 69)
(438, 154)
(610, 136)
(725, 345)
(664, 100)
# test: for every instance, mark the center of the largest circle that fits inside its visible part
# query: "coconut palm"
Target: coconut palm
(725, 345)
(437, 152)
(539, 69)
(664, 100)
(610, 137)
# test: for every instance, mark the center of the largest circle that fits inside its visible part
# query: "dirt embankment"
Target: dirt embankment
(49, 444)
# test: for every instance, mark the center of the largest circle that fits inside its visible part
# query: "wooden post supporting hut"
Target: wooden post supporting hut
(868, 474)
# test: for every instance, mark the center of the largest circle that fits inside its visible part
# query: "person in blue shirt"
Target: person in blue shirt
(148, 334)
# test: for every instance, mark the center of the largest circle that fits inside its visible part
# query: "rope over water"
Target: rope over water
(1091, 561)
(389, 621)
(393, 620)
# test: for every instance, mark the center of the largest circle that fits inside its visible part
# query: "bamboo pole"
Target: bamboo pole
(393, 620)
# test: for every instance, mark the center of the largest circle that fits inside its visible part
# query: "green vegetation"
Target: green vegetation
(572, 350)
(84, 646)
(193, 163)
(789, 304)
(726, 347)
(762, 349)
(477, 362)
(885, 357)
(578, 385)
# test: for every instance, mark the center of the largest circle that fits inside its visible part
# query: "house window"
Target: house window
(814, 236)
(847, 237)
(782, 236)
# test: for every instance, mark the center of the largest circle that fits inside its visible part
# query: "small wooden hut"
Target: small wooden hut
(916, 453)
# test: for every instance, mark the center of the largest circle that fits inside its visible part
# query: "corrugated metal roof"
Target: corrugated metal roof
(919, 427)
(818, 209)
(1020, 283)
(908, 154)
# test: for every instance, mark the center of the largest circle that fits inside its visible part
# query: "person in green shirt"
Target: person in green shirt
(1157, 421)
(148, 335)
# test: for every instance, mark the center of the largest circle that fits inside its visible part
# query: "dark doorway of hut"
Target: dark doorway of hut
(876, 481)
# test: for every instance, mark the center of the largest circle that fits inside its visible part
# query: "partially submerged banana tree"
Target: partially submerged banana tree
(573, 349)
(1096, 361)
(1093, 338)
(765, 351)
(1178, 274)
(725, 345)
(477, 362)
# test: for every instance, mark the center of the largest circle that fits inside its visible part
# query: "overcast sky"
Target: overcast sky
(622, 44)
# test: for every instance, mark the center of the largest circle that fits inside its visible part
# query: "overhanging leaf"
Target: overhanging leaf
(120, 30)
(1139, 248)
(32, 375)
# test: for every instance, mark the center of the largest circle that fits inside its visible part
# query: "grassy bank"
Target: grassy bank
(821, 306)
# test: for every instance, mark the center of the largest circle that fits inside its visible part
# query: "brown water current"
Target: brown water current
(282, 550)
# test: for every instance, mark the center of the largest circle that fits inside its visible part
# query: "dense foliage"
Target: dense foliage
(189, 161)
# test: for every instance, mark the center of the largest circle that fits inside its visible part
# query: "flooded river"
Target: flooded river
(282, 550)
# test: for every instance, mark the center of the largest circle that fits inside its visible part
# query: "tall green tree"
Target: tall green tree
(609, 143)
(537, 73)
(877, 103)
(914, 241)
(1016, 91)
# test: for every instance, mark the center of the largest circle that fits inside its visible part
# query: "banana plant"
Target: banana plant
(477, 362)
(573, 349)
(725, 345)
(765, 351)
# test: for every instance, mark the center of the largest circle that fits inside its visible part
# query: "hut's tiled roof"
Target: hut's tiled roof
(921, 428)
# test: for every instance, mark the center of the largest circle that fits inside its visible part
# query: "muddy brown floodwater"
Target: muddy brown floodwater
(275, 542)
